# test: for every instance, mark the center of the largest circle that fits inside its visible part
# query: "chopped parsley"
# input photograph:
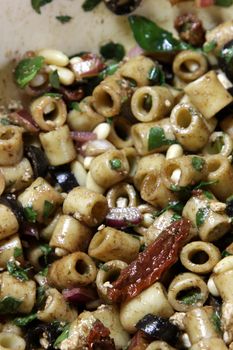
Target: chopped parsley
(27, 69)
(37, 4)
(62, 336)
(209, 46)
(30, 214)
(54, 79)
(115, 164)
(48, 209)
(17, 271)
(157, 138)
(24, 321)
(44, 272)
(64, 19)
(201, 215)
(89, 5)
(198, 163)
(18, 252)
(75, 105)
(40, 297)
(46, 250)
(9, 305)
(208, 194)
(175, 217)
(175, 205)
(216, 320)
(225, 253)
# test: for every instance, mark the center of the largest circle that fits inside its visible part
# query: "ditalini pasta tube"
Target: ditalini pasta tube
(219, 143)
(85, 205)
(58, 146)
(153, 137)
(9, 341)
(122, 195)
(23, 291)
(207, 216)
(208, 95)
(8, 223)
(70, 234)
(73, 270)
(109, 243)
(189, 127)
(159, 345)
(120, 133)
(151, 103)
(11, 145)
(8, 247)
(152, 300)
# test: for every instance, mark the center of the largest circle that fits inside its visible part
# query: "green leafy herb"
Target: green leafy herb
(190, 298)
(175, 217)
(109, 70)
(44, 272)
(205, 184)
(37, 4)
(5, 121)
(156, 76)
(27, 69)
(75, 105)
(54, 80)
(48, 209)
(113, 51)
(103, 267)
(30, 214)
(198, 163)
(62, 336)
(18, 252)
(115, 164)
(208, 194)
(201, 215)
(46, 250)
(24, 321)
(223, 3)
(216, 319)
(176, 206)
(17, 271)
(9, 305)
(53, 94)
(157, 138)
(40, 297)
(109, 121)
(142, 247)
(64, 19)
(89, 5)
(153, 38)
(225, 253)
(209, 46)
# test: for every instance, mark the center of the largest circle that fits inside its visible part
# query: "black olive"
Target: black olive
(159, 328)
(122, 7)
(229, 207)
(37, 159)
(225, 59)
(64, 177)
(48, 331)
(10, 201)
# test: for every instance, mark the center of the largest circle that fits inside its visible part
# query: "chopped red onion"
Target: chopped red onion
(135, 51)
(96, 147)
(79, 295)
(23, 118)
(86, 66)
(83, 136)
(123, 217)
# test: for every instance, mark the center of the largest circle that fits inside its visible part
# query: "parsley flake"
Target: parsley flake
(17, 271)
(198, 163)
(64, 19)
(9, 305)
(157, 138)
(115, 164)
(54, 79)
(30, 214)
(201, 215)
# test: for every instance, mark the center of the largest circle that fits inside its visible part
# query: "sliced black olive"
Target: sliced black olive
(63, 176)
(10, 201)
(229, 207)
(37, 159)
(159, 328)
(50, 332)
(122, 7)
(225, 59)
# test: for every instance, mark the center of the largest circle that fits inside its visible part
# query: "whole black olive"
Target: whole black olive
(48, 331)
(64, 177)
(37, 159)
(159, 328)
(225, 59)
(229, 207)
(122, 7)
(10, 201)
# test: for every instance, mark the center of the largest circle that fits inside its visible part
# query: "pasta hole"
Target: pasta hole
(113, 276)
(50, 112)
(147, 102)
(213, 165)
(184, 294)
(121, 131)
(184, 118)
(104, 99)
(81, 267)
(7, 135)
(7, 343)
(98, 211)
(189, 66)
(199, 257)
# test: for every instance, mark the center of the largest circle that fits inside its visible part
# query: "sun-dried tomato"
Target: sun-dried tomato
(99, 338)
(151, 263)
(138, 342)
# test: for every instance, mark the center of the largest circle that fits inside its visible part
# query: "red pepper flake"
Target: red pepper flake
(99, 338)
(151, 263)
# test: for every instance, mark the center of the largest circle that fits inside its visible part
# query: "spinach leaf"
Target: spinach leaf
(89, 5)
(156, 76)
(9, 305)
(17, 271)
(190, 298)
(37, 4)
(54, 80)
(209, 46)
(201, 215)
(27, 69)
(23, 321)
(113, 51)
(216, 320)
(48, 209)
(62, 336)
(46, 250)
(64, 19)
(157, 138)
(224, 3)
(198, 163)
(153, 38)
(18, 252)
(30, 214)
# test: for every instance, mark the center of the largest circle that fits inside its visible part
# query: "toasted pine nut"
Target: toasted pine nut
(52, 56)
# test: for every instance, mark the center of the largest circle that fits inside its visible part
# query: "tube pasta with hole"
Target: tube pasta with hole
(109, 168)
(183, 283)
(159, 345)
(8, 223)
(35, 256)
(73, 270)
(207, 216)
(150, 103)
(189, 251)
(58, 146)
(85, 205)
(208, 95)
(10, 341)
(24, 291)
(124, 190)
(56, 308)
(47, 231)
(107, 273)
(189, 65)
(152, 300)
(11, 145)
(111, 244)
(189, 127)
(7, 249)
(219, 143)
(120, 133)
(10, 327)
(70, 234)
(37, 195)
(144, 140)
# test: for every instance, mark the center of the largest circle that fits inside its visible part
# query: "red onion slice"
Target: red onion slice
(123, 217)
(83, 136)
(86, 66)
(79, 295)
(23, 118)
